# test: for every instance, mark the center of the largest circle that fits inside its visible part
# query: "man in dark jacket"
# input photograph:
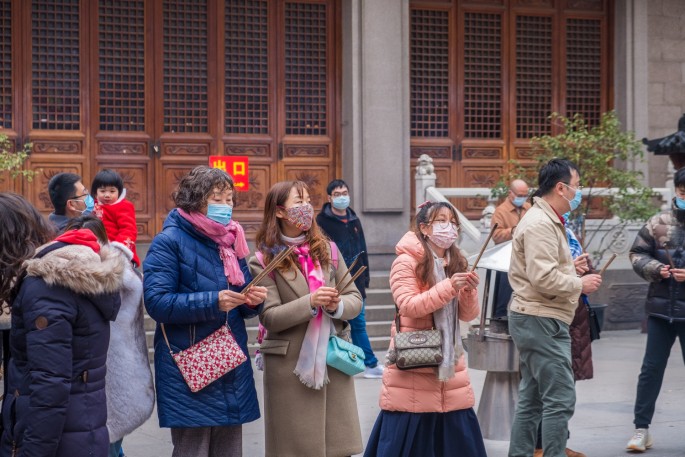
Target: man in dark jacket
(342, 225)
(658, 256)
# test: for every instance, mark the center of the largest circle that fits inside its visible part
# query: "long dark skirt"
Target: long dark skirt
(401, 434)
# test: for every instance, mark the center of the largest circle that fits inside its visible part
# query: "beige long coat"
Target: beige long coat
(299, 421)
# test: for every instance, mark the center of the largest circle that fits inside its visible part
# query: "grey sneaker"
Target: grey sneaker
(373, 373)
(641, 440)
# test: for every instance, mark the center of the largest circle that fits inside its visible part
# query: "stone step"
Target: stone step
(379, 313)
(379, 279)
(379, 297)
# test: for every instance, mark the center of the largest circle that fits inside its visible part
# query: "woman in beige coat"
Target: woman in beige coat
(310, 410)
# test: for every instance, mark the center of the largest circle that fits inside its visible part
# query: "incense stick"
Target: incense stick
(353, 278)
(269, 268)
(492, 232)
(668, 254)
(606, 265)
(348, 271)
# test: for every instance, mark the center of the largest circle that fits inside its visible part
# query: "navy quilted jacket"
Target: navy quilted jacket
(55, 403)
(183, 275)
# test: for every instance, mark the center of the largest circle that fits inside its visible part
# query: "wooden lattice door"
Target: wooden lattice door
(486, 75)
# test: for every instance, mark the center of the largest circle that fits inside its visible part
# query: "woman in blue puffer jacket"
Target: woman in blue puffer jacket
(193, 274)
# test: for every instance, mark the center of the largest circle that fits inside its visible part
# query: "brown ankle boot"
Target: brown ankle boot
(572, 453)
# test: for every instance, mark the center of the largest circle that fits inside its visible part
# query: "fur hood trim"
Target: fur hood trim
(80, 269)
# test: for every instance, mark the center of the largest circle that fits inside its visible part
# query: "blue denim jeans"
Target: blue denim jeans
(360, 337)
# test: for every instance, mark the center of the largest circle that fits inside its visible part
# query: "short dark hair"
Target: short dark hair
(554, 171)
(196, 187)
(106, 178)
(679, 178)
(91, 223)
(335, 184)
(62, 188)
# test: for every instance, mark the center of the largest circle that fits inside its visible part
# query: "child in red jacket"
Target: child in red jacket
(117, 214)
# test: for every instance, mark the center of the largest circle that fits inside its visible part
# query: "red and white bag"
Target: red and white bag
(206, 361)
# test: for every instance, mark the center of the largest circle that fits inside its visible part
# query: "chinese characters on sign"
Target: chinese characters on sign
(236, 166)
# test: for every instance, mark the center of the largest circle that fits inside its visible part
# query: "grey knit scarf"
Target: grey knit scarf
(446, 320)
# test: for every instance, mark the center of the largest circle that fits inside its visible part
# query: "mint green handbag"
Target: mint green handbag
(344, 356)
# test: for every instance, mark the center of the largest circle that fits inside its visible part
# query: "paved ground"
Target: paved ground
(601, 426)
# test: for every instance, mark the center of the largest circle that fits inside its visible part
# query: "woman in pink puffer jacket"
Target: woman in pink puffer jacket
(429, 411)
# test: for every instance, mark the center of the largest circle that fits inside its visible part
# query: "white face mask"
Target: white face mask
(444, 234)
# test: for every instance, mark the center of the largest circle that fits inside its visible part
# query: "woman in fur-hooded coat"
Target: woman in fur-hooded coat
(55, 401)
(130, 392)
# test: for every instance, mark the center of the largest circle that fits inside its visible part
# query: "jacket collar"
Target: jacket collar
(328, 212)
(548, 210)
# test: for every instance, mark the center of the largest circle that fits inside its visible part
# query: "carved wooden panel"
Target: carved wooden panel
(436, 152)
(482, 153)
(524, 154)
(584, 83)
(473, 176)
(171, 176)
(55, 65)
(135, 149)
(482, 2)
(306, 63)
(429, 73)
(304, 151)
(185, 80)
(260, 182)
(587, 5)
(247, 67)
(56, 147)
(315, 177)
(534, 82)
(6, 65)
(534, 3)
(256, 150)
(178, 149)
(121, 65)
(483, 85)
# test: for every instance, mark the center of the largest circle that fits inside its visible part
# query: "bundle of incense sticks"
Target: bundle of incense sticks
(348, 271)
(668, 254)
(492, 232)
(606, 265)
(270, 267)
(352, 279)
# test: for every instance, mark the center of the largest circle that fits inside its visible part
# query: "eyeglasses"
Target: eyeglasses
(340, 194)
(574, 188)
(78, 197)
(446, 224)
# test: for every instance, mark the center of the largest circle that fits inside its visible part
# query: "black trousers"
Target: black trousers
(503, 293)
(661, 335)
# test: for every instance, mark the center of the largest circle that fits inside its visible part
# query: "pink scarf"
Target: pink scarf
(311, 363)
(229, 238)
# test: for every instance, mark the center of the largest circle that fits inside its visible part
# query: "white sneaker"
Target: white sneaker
(641, 440)
(373, 373)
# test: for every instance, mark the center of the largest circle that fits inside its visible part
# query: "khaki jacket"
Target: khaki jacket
(507, 216)
(299, 421)
(541, 272)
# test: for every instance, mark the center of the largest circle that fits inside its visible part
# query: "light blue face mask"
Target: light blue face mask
(90, 205)
(680, 203)
(566, 216)
(575, 203)
(220, 213)
(341, 202)
(519, 201)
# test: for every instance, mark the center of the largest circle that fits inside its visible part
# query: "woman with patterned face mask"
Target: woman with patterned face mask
(310, 409)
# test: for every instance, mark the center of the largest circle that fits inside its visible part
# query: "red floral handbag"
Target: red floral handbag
(206, 361)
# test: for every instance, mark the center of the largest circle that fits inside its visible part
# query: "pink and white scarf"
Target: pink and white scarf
(230, 240)
(311, 363)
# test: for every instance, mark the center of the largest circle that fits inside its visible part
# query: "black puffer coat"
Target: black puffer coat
(55, 404)
(665, 297)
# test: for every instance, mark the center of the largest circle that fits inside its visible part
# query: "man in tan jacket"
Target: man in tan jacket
(507, 216)
(546, 291)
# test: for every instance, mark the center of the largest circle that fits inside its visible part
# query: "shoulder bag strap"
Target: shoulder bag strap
(165, 338)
